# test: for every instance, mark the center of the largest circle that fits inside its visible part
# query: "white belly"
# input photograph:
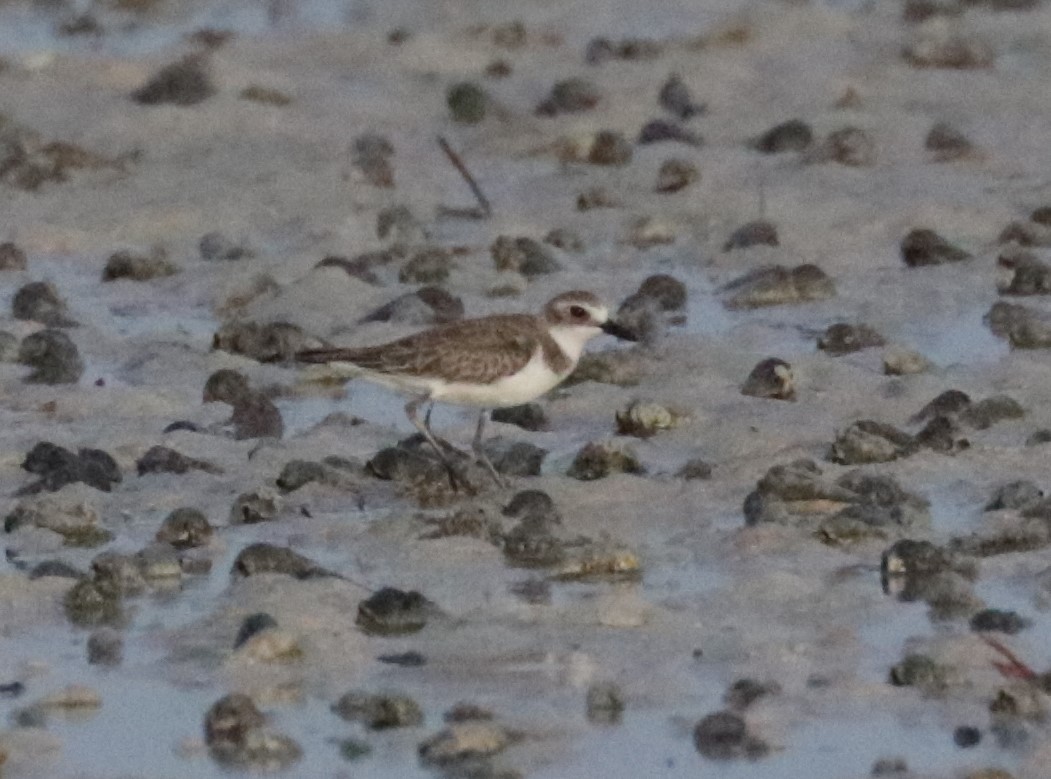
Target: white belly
(531, 382)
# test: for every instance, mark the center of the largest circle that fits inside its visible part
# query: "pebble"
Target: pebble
(757, 233)
(105, 647)
(185, 528)
(792, 135)
(57, 467)
(12, 257)
(467, 102)
(262, 505)
(523, 255)
(890, 766)
(463, 741)
(225, 385)
(1022, 274)
(408, 659)
(1014, 495)
(73, 697)
(236, 734)
(379, 712)
(609, 147)
(572, 95)
(946, 143)
(398, 225)
(900, 361)
(565, 239)
(217, 246)
(271, 646)
(372, 157)
(263, 558)
(53, 357)
(39, 301)
(643, 419)
(868, 441)
(648, 231)
(999, 621)
(390, 611)
(844, 338)
(58, 568)
(427, 266)
(771, 378)
(695, 469)
(256, 416)
(601, 50)
(723, 735)
(744, 692)
(89, 603)
(270, 342)
(675, 98)
(778, 285)
(663, 131)
(139, 267)
(183, 83)
(1023, 327)
(1026, 234)
(943, 48)
(850, 146)
(515, 458)
(604, 703)
(923, 246)
(596, 197)
(265, 95)
(598, 460)
(428, 305)
(966, 736)
(162, 459)
(675, 175)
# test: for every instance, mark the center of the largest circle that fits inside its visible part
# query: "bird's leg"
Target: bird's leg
(411, 409)
(479, 451)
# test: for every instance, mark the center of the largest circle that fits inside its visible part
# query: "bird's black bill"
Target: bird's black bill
(617, 330)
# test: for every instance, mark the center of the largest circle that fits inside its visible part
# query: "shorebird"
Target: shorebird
(488, 362)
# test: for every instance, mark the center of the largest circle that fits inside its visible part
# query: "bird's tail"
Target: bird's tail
(327, 365)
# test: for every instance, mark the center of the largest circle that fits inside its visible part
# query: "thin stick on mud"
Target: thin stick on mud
(484, 209)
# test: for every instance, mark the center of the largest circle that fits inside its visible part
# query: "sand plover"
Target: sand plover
(489, 362)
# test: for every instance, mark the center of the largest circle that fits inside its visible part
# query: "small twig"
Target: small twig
(1014, 668)
(458, 163)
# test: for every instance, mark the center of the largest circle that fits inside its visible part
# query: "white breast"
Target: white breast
(531, 382)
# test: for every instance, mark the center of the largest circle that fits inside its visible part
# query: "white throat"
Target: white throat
(572, 338)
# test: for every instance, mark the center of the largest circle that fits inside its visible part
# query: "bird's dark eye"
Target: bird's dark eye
(578, 312)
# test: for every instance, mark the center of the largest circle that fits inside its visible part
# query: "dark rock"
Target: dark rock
(1026, 234)
(404, 659)
(911, 558)
(1024, 274)
(917, 11)
(843, 338)
(524, 255)
(610, 148)
(724, 735)
(39, 301)
(28, 161)
(256, 416)
(1039, 438)
(642, 316)
(425, 306)
(378, 712)
(161, 459)
(464, 744)
(236, 734)
(105, 647)
(262, 558)
(515, 458)
(850, 146)
(770, 378)
(227, 386)
(529, 416)
(250, 508)
(598, 460)
(270, 342)
(941, 434)
(695, 469)
(667, 291)
(298, 473)
(946, 143)
(9, 690)
(675, 98)
(565, 239)
(777, 285)
(596, 197)
(600, 50)
(572, 95)
(252, 625)
(868, 441)
(534, 508)
(662, 131)
(757, 233)
(359, 268)
(1041, 216)
(793, 135)
(58, 467)
(675, 175)
(988, 411)
(77, 523)
(90, 603)
(966, 736)
(744, 692)
(138, 267)
(890, 766)
(604, 703)
(925, 247)
(120, 572)
(185, 528)
(918, 670)
(407, 465)
(12, 257)
(58, 568)
(949, 403)
(372, 156)
(1023, 327)
(467, 712)
(217, 246)
(182, 83)
(427, 266)
(998, 621)
(397, 224)
(392, 612)
(467, 102)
